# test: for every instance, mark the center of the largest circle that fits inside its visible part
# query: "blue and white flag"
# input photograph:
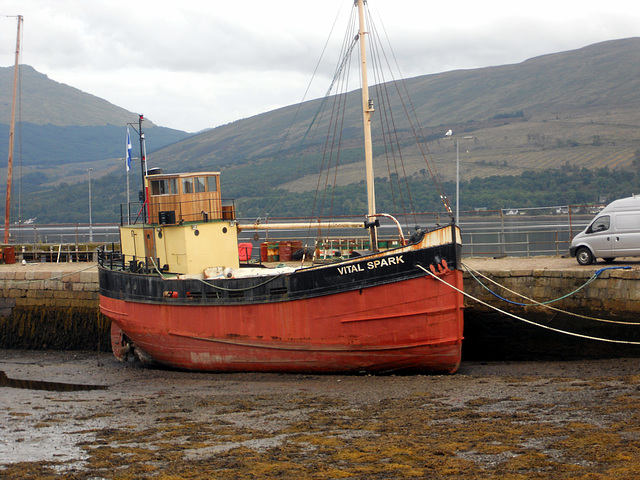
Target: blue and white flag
(128, 150)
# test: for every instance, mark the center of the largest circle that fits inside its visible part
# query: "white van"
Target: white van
(614, 232)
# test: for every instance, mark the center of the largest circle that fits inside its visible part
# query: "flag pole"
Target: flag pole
(128, 201)
(144, 193)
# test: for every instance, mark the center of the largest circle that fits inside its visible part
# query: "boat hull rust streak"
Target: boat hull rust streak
(407, 325)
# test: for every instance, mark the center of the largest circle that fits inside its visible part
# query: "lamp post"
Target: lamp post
(90, 222)
(449, 134)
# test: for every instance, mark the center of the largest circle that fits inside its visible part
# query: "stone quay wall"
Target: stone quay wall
(583, 318)
(51, 306)
(614, 292)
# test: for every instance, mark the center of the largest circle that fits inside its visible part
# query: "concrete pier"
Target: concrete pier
(51, 306)
(55, 306)
(583, 317)
(614, 293)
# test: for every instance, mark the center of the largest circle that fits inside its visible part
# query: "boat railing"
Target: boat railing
(169, 212)
(321, 250)
(109, 257)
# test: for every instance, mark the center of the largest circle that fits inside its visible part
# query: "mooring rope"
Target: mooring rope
(546, 304)
(557, 330)
(593, 277)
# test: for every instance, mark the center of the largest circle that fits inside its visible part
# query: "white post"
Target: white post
(469, 137)
(128, 199)
(457, 181)
(90, 221)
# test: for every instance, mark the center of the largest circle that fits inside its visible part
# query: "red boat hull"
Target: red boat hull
(414, 324)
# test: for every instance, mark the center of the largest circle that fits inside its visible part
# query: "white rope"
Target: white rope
(524, 319)
(586, 317)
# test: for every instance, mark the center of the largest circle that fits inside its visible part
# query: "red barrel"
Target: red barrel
(244, 251)
(264, 251)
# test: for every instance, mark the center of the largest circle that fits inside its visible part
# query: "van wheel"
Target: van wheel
(609, 259)
(584, 256)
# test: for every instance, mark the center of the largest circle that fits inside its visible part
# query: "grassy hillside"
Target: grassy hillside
(579, 108)
(63, 131)
(571, 115)
(45, 101)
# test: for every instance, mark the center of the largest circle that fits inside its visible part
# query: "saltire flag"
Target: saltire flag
(128, 150)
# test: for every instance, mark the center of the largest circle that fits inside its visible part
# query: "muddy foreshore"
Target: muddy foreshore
(576, 419)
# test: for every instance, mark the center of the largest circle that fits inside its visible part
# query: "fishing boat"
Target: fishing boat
(181, 293)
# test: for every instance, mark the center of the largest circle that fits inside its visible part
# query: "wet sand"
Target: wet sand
(492, 419)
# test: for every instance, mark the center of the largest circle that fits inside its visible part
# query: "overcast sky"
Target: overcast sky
(196, 64)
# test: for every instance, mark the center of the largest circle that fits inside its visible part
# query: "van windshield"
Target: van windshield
(600, 224)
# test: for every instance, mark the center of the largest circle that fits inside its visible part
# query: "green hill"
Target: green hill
(558, 120)
(572, 109)
(63, 131)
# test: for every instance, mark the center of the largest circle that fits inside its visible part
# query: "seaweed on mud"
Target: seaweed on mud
(490, 434)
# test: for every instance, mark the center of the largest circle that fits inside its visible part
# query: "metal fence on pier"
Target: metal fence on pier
(521, 232)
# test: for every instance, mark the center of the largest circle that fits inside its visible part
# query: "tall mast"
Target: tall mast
(367, 111)
(11, 135)
(143, 168)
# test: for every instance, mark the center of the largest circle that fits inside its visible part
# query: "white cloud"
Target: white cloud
(198, 64)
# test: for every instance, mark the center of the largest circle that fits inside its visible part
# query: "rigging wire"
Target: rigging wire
(331, 158)
(304, 97)
(336, 118)
(390, 134)
(416, 126)
(348, 45)
(396, 165)
(339, 128)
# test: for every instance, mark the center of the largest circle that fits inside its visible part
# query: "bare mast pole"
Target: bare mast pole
(7, 210)
(143, 169)
(367, 111)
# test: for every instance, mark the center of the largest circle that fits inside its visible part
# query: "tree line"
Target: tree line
(70, 203)
(530, 189)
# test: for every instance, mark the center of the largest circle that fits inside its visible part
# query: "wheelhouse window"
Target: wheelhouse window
(200, 183)
(164, 187)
